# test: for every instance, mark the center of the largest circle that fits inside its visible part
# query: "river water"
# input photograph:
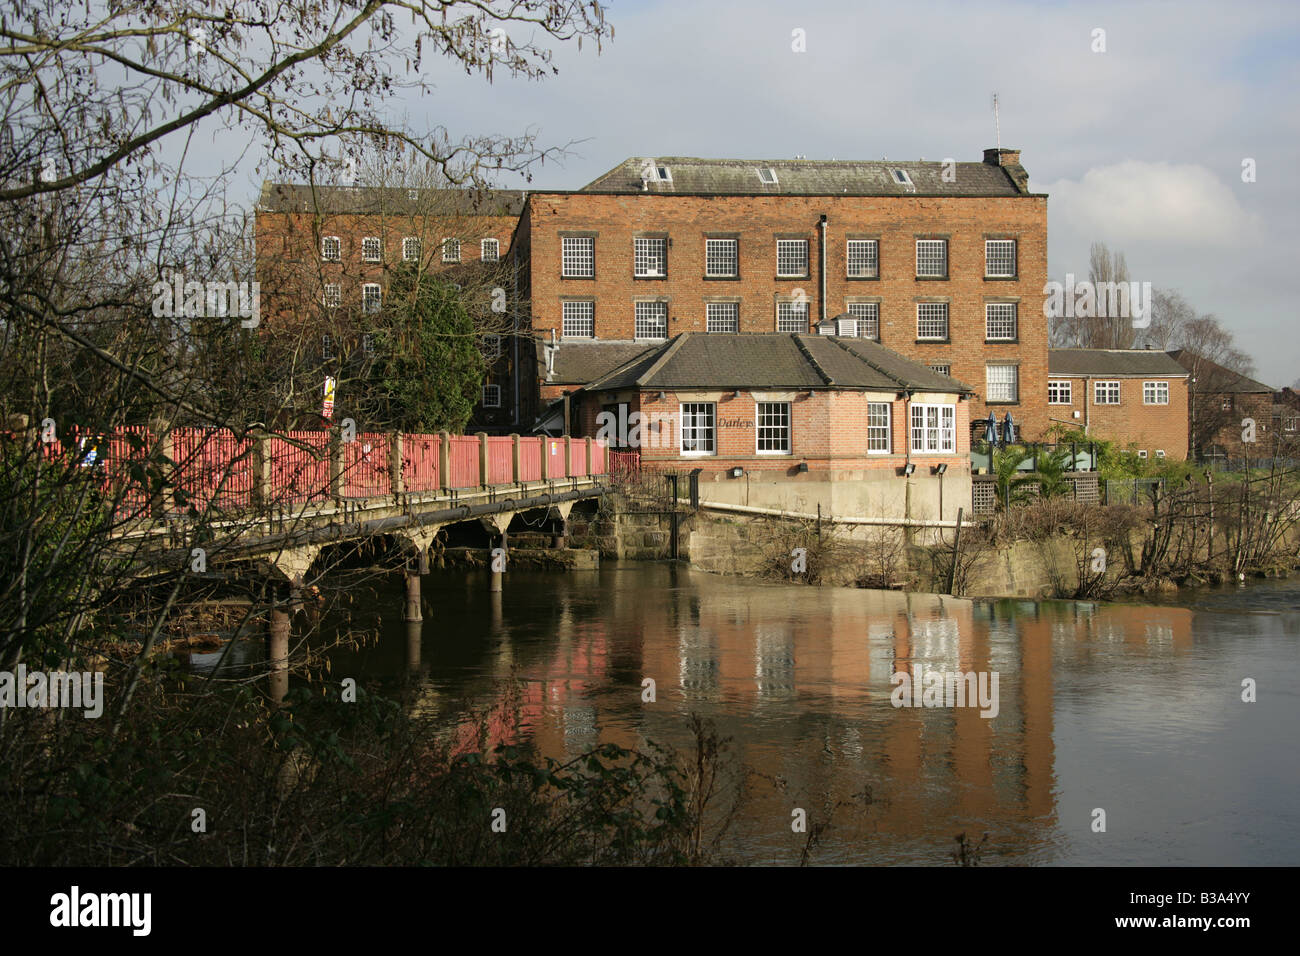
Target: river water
(1134, 710)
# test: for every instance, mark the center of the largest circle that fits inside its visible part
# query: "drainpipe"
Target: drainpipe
(1087, 408)
(821, 242)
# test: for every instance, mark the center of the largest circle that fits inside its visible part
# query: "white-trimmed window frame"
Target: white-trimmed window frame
(332, 296)
(1111, 385)
(660, 310)
(789, 245)
(589, 307)
(372, 250)
(326, 247)
(1064, 388)
(578, 253)
(947, 321)
(648, 251)
(682, 427)
(1155, 387)
(865, 272)
(944, 435)
(1015, 383)
(733, 318)
(1000, 308)
(888, 427)
(411, 249)
(943, 245)
(489, 390)
(788, 428)
(371, 290)
(450, 250)
(856, 309)
(733, 257)
(493, 244)
(792, 307)
(988, 259)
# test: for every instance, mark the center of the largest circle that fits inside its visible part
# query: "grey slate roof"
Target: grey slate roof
(577, 363)
(809, 177)
(767, 360)
(371, 200)
(1213, 377)
(1112, 362)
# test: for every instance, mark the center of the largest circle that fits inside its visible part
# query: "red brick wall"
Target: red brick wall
(1132, 423)
(897, 222)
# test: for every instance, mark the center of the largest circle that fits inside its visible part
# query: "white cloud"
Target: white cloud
(1135, 202)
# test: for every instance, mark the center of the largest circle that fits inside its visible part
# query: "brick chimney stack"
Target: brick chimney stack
(1002, 157)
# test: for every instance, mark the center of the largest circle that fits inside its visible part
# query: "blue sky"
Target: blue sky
(1140, 146)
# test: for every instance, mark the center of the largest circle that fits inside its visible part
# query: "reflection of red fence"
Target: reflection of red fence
(204, 469)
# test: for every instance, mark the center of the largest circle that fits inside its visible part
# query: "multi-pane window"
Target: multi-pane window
(410, 249)
(371, 297)
(878, 427)
(368, 344)
(333, 295)
(1001, 383)
(1000, 258)
(934, 428)
(863, 258)
(698, 431)
(491, 396)
(932, 320)
(722, 257)
(868, 316)
(650, 258)
(489, 250)
(941, 369)
(792, 257)
(1105, 393)
(370, 249)
(1000, 321)
(792, 316)
(651, 320)
(451, 250)
(331, 248)
(1060, 392)
(326, 347)
(578, 257)
(722, 316)
(932, 258)
(1155, 393)
(579, 320)
(773, 428)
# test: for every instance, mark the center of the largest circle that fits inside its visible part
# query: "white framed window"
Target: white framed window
(767, 175)
(868, 316)
(489, 250)
(1000, 321)
(901, 177)
(1155, 393)
(773, 432)
(411, 249)
(863, 257)
(650, 258)
(792, 316)
(698, 430)
(579, 320)
(941, 369)
(1060, 391)
(1001, 383)
(792, 257)
(331, 248)
(1142, 453)
(932, 321)
(1000, 258)
(326, 347)
(722, 316)
(451, 250)
(370, 251)
(1105, 393)
(721, 258)
(932, 258)
(1160, 453)
(491, 396)
(934, 428)
(578, 257)
(651, 320)
(333, 295)
(372, 298)
(878, 442)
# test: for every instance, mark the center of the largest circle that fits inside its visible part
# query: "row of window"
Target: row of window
(578, 319)
(331, 249)
(932, 429)
(1061, 392)
(656, 172)
(722, 258)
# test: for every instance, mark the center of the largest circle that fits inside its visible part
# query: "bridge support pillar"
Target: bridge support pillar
(413, 595)
(277, 639)
(561, 537)
(496, 565)
(414, 635)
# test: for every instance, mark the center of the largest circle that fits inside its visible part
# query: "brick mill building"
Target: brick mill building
(1134, 397)
(1221, 401)
(943, 263)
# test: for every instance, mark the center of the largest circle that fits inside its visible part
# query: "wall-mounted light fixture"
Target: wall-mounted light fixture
(736, 394)
(909, 468)
(940, 469)
(662, 396)
(803, 466)
(737, 472)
